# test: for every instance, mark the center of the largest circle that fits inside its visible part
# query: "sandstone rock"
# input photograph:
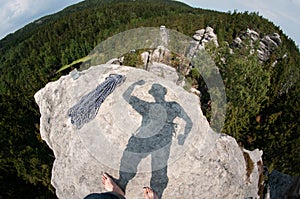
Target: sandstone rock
(197, 37)
(207, 165)
(195, 91)
(267, 44)
(164, 35)
(164, 71)
(257, 171)
(238, 41)
(253, 34)
(200, 32)
(202, 37)
(160, 54)
(276, 38)
(145, 58)
(209, 30)
(114, 61)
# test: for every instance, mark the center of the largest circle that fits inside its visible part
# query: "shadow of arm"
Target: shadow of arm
(188, 127)
(127, 94)
(136, 103)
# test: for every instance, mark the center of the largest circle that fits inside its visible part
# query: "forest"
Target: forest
(262, 99)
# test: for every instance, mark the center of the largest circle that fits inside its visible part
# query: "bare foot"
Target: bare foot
(149, 193)
(110, 185)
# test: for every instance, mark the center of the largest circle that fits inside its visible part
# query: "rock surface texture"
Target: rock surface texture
(202, 164)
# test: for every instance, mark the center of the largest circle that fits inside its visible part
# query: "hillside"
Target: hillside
(263, 106)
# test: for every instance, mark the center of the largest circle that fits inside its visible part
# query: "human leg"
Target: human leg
(132, 156)
(159, 163)
(128, 167)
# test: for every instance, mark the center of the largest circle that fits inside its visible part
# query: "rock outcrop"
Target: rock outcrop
(161, 54)
(267, 44)
(206, 165)
(206, 35)
(201, 38)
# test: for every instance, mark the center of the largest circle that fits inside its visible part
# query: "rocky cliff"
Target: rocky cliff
(192, 161)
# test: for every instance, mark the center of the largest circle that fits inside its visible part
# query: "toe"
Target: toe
(103, 178)
(105, 175)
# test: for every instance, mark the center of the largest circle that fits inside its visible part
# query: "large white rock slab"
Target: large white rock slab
(207, 165)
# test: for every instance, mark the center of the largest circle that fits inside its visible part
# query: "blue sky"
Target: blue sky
(284, 13)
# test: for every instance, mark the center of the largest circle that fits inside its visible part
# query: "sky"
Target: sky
(284, 13)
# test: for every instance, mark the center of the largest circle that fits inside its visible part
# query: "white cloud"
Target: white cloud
(15, 8)
(17, 13)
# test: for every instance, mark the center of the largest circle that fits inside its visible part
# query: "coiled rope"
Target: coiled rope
(87, 108)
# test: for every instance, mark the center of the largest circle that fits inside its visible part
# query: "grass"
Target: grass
(84, 59)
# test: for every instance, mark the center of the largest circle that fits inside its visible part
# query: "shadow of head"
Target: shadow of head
(158, 91)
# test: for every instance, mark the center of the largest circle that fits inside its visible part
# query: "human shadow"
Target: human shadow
(153, 137)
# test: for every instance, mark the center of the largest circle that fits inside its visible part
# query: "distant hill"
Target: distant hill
(31, 56)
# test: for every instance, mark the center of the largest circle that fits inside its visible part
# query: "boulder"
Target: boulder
(201, 164)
